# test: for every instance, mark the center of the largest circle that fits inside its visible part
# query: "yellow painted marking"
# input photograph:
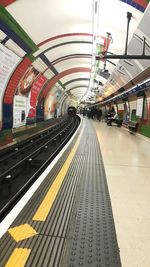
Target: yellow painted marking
(18, 258)
(22, 232)
(48, 201)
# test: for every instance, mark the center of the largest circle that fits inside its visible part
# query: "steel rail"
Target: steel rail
(20, 192)
(31, 155)
(15, 150)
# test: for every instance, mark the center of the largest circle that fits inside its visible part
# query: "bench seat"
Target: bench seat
(133, 126)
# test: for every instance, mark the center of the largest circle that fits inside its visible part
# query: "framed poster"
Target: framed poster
(19, 111)
(139, 107)
(8, 62)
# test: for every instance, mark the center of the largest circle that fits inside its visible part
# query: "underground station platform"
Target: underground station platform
(67, 219)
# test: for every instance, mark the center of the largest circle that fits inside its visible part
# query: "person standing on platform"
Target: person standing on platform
(99, 114)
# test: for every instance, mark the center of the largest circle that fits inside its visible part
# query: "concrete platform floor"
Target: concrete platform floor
(127, 164)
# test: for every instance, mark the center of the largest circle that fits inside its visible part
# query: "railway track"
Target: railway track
(23, 163)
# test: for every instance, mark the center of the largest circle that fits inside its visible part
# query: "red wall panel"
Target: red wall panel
(142, 3)
(6, 2)
(12, 85)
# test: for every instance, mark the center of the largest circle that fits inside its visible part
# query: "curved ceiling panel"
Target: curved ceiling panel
(75, 77)
(75, 80)
(73, 47)
(69, 34)
(51, 18)
(73, 62)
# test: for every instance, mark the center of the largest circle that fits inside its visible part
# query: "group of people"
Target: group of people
(109, 116)
(92, 113)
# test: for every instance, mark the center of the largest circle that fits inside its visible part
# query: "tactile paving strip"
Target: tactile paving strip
(92, 239)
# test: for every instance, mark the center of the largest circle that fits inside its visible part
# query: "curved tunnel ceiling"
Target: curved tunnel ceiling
(65, 33)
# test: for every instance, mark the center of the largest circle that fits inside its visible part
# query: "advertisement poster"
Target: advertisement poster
(24, 90)
(33, 95)
(139, 107)
(8, 62)
(26, 82)
(50, 108)
(59, 99)
(126, 115)
(65, 106)
(19, 111)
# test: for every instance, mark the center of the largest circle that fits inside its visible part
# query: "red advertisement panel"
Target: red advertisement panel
(26, 82)
(142, 3)
(36, 87)
(15, 78)
(6, 2)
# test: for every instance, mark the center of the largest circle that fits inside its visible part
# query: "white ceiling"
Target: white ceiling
(74, 21)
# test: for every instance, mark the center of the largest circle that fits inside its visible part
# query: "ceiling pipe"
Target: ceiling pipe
(123, 57)
(144, 43)
(129, 16)
(108, 55)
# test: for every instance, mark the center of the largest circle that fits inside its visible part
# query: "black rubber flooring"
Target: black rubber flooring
(92, 238)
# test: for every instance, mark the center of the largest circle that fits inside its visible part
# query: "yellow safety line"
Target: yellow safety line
(44, 209)
(18, 258)
(22, 232)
